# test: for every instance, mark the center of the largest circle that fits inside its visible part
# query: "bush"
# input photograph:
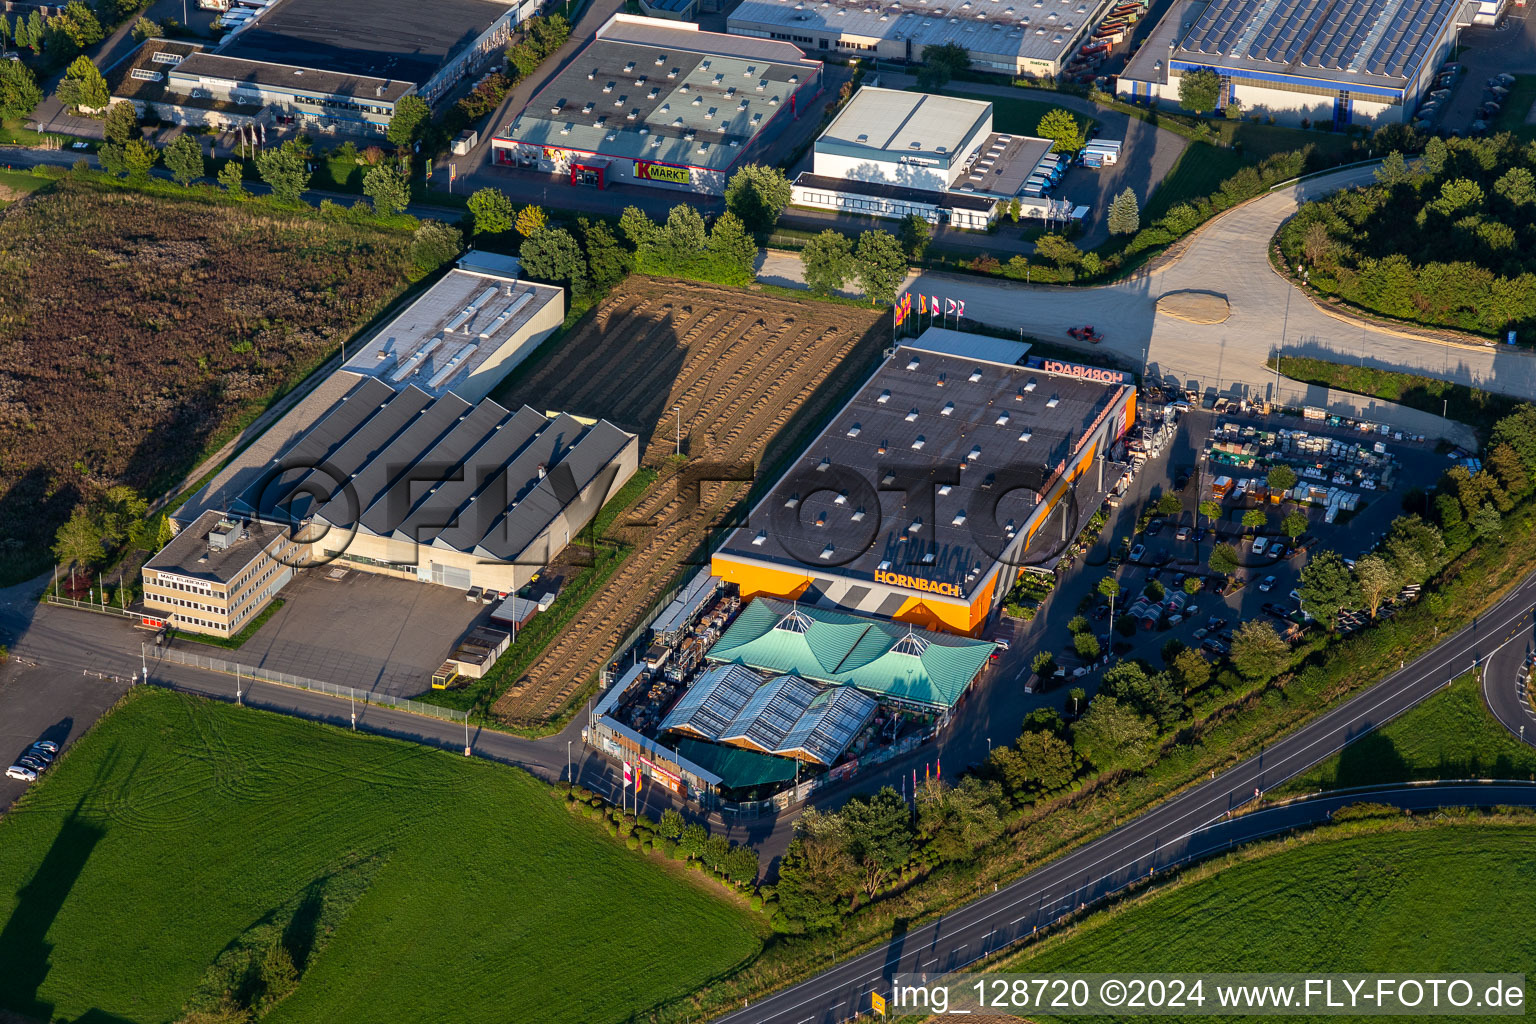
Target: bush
(632, 843)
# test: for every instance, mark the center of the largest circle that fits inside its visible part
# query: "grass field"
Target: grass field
(1478, 409)
(1451, 735)
(16, 184)
(1017, 116)
(409, 884)
(1422, 898)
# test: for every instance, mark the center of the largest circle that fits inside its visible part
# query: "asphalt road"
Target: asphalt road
(1195, 823)
(1504, 683)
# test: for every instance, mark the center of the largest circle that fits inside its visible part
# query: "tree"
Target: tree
(1112, 736)
(19, 93)
(1124, 214)
(637, 227)
(1109, 586)
(1168, 503)
(1191, 669)
(1199, 90)
(671, 824)
(1393, 170)
(1294, 524)
(523, 59)
(1086, 645)
(285, 169)
(35, 31)
(78, 24)
(1211, 510)
(83, 87)
(143, 29)
(740, 864)
(122, 124)
(940, 63)
(1015, 209)
(608, 262)
(827, 260)
(879, 831)
(915, 236)
(1258, 651)
(816, 872)
(1517, 186)
(548, 33)
(757, 194)
(1062, 129)
(1327, 587)
(692, 839)
(959, 822)
(80, 540)
(184, 159)
(232, 177)
(1376, 581)
(1223, 559)
(410, 118)
(435, 243)
(139, 159)
(733, 250)
(1507, 467)
(492, 211)
(1046, 760)
(551, 254)
(1192, 585)
(1281, 478)
(1486, 521)
(1058, 250)
(1414, 548)
(1458, 195)
(387, 187)
(1255, 519)
(880, 266)
(1436, 152)
(531, 219)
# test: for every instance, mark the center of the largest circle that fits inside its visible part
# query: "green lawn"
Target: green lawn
(1479, 409)
(1513, 111)
(408, 884)
(1198, 172)
(1427, 898)
(15, 184)
(1451, 735)
(1017, 116)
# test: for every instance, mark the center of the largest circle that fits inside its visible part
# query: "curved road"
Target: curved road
(1504, 683)
(1192, 824)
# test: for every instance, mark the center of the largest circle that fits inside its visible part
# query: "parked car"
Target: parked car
(1199, 534)
(1273, 609)
(1266, 584)
(21, 772)
(1183, 533)
(34, 762)
(1214, 645)
(1215, 623)
(1155, 526)
(1102, 611)
(48, 745)
(1137, 552)
(1258, 545)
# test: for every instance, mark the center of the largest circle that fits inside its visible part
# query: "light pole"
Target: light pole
(466, 735)
(237, 685)
(144, 661)
(353, 694)
(679, 410)
(568, 761)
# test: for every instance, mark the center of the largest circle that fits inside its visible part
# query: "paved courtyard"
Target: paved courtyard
(370, 632)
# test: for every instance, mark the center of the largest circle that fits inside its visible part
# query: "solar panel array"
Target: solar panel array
(1386, 38)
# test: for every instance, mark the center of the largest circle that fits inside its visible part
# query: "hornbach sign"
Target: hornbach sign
(645, 171)
(1093, 373)
(917, 583)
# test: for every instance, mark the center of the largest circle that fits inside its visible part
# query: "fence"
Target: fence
(90, 606)
(232, 668)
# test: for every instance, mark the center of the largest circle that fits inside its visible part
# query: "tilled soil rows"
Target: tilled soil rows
(742, 366)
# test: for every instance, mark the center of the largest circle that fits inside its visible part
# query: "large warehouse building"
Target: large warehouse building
(661, 103)
(1016, 37)
(893, 153)
(1338, 62)
(923, 498)
(436, 489)
(332, 65)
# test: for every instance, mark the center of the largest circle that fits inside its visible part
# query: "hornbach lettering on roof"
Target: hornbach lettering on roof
(1094, 373)
(647, 171)
(917, 583)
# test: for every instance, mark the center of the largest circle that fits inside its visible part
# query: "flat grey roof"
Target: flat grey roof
(923, 411)
(294, 77)
(1007, 29)
(451, 330)
(641, 96)
(1383, 43)
(1004, 164)
(897, 123)
(855, 187)
(434, 470)
(188, 553)
(394, 39)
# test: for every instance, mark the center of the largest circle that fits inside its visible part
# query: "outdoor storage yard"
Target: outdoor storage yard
(754, 375)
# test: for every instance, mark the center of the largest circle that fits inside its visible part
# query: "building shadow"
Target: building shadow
(1371, 760)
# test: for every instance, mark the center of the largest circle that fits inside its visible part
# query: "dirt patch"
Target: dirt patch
(751, 373)
(1195, 307)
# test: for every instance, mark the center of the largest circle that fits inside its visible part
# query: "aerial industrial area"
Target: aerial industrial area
(774, 511)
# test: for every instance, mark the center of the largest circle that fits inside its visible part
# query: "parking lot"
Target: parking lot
(370, 632)
(1176, 546)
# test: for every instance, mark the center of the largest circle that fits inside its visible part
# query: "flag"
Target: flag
(637, 780)
(903, 308)
(922, 309)
(627, 775)
(940, 773)
(949, 306)
(898, 312)
(961, 310)
(933, 305)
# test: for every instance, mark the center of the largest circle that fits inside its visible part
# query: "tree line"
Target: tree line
(1446, 237)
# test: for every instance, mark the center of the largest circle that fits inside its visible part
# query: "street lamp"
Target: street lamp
(679, 410)
(568, 761)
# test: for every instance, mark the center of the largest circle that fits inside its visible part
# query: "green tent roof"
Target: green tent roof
(737, 767)
(888, 659)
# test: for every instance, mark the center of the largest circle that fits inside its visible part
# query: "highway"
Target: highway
(1200, 821)
(1504, 683)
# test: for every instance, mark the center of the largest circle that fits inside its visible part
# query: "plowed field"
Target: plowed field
(743, 367)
